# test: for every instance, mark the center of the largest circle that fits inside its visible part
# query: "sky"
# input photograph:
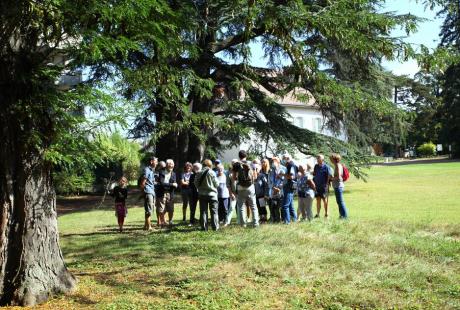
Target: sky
(427, 34)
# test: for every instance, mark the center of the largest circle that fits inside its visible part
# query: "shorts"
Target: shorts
(120, 209)
(149, 204)
(164, 204)
(321, 192)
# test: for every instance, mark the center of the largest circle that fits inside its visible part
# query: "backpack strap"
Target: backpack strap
(203, 175)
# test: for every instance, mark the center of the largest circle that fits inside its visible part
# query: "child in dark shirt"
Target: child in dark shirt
(120, 193)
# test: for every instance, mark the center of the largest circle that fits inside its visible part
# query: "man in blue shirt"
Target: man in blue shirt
(148, 184)
(321, 177)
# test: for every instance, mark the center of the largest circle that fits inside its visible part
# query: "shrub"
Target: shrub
(69, 182)
(427, 149)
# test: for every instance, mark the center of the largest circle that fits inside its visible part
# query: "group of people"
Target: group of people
(252, 188)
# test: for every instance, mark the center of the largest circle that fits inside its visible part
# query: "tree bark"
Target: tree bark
(32, 267)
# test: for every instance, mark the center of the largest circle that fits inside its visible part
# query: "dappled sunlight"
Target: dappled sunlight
(397, 257)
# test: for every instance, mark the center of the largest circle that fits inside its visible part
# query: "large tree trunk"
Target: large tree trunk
(31, 261)
(196, 147)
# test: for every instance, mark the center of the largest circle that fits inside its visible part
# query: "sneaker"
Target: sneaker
(317, 216)
(170, 223)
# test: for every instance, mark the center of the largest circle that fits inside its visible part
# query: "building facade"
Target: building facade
(306, 115)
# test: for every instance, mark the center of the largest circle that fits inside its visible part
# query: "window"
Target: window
(318, 124)
(298, 121)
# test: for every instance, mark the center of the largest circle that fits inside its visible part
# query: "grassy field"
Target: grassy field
(399, 249)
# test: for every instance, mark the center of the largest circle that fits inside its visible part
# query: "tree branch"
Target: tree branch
(216, 47)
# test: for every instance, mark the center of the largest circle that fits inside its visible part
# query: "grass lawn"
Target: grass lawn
(399, 249)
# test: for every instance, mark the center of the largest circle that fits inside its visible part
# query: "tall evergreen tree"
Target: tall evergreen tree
(450, 37)
(329, 48)
(39, 41)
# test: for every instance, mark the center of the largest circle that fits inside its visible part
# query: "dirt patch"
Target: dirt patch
(73, 204)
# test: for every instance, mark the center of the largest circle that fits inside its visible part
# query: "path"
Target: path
(418, 161)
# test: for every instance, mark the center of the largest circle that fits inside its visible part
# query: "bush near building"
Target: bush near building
(427, 149)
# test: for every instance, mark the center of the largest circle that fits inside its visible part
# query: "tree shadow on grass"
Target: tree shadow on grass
(81, 299)
(126, 262)
(136, 230)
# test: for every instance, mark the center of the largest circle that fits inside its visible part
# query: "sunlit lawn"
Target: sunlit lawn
(399, 249)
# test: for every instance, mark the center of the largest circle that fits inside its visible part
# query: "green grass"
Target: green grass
(399, 249)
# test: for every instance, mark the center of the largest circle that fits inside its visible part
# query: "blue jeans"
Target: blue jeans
(288, 208)
(340, 202)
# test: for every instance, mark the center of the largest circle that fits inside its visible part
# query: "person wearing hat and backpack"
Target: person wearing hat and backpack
(339, 177)
(245, 177)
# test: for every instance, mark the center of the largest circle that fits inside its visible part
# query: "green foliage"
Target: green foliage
(450, 80)
(332, 50)
(101, 156)
(426, 149)
(74, 182)
(41, 41)
(450, 109)
(120, 149)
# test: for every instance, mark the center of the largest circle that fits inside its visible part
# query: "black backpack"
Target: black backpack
(245, 177)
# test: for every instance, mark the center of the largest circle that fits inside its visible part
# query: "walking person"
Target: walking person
(262, 190)
(186, 188)
(206, 183)
(338, 184)
(321, 177)
(289, 186)
(275, 185)
(148, 183)
(306, 193)
(120, 193)
(223, 194)
(194, 193)
(244, 176)
(165, 193)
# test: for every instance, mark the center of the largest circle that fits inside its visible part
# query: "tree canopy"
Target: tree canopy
(331, 49)
(450, 80)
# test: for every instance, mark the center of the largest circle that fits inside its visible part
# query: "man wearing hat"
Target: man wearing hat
(217, 162)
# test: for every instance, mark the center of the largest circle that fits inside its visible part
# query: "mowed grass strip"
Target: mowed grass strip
(399, 249)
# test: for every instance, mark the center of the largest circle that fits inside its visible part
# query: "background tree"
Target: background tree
(450, 111)
(106, 158)
(328, 48)
(40, 122)
(420, 98)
